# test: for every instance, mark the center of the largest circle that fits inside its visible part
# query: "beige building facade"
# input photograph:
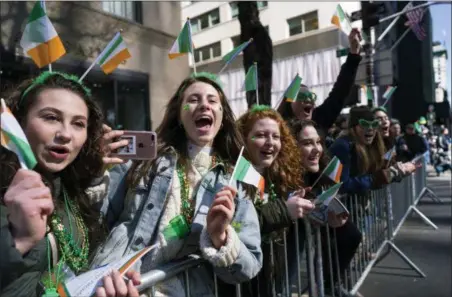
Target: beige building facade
(134, 95)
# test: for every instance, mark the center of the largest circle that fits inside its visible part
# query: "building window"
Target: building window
(304, 23)
(127, 9)
(235, 8)
(206, 20)
(208, 52)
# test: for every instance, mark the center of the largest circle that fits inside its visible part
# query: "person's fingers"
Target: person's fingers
(120, 285)
(106, 128)
(132, 290)
(112, 160)
(135, 276)
(223, 201)
(115, 145)
(109, 287)
(100, 292)
(220, 210)
(231, 189)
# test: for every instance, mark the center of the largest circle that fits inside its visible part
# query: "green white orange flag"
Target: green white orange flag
(114, 54)
(341, 20)
(183, 44)
(13, 138)
(294, 88)
(246, 173)
(389, 154)
(39, 40)
(334, 170)
(389, 91)
(368, 91)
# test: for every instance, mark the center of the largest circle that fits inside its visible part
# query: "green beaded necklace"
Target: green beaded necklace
(75, 257)
(187, 207)
(272, 196)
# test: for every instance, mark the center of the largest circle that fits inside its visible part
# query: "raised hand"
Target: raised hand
(29, 203)
(354, 40)
(114, 285)
(109, 145)
(298, 206)
(220, 215)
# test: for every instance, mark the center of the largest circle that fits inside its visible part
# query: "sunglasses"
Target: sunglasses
(368, 124)
(307, 97)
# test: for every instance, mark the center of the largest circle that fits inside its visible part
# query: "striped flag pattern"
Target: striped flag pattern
(183, 44)
(12, 138)
(294, 88)
(388, 155)
(334, 170)
(39, 40)
(114, 54)
(246, 173)
(229, 57)
(341, 21)
(414, 21)
(251, 78)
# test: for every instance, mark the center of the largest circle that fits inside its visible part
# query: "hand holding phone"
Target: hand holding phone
(142, 145)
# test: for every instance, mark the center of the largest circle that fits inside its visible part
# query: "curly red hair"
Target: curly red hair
(286, 172)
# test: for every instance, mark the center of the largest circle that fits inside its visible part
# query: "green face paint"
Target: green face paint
(253, 138)
(186, 107)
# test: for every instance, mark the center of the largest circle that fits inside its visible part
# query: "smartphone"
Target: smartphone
(142, 146)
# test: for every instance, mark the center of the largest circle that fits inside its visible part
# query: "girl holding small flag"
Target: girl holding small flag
(314, 162)
(49, 213)
(272, 150)
(187, 191)
(304, 106)
(391, 144)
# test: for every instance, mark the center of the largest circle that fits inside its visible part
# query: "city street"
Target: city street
(431, 250)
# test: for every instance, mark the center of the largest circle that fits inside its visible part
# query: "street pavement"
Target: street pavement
(430, 250)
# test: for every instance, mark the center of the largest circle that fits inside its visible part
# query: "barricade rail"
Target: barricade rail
(378, 216)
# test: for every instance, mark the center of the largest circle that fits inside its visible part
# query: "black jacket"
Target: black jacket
(416, 145)
(326, 114)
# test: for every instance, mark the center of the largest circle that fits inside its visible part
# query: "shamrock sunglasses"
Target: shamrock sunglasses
(368, 124)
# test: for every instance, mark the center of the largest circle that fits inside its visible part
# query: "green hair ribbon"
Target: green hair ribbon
(44, 76)
(259, 108)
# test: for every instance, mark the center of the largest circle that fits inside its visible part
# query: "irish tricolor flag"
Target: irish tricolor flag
(341, 21)
(246, 173)
(183, 44)
(13, 138)
(334, 170)
(292, 91)
(389, 91)
(40, 41)
(114, 54)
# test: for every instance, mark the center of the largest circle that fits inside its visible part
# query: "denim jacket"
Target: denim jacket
(137, 225)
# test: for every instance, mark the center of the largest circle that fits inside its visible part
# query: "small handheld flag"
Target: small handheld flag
(341, 20)
(229, 57)
(388, 94)
(13, 138)
(292, 91)
(251, 81)
(39, 40)
(245, 172)
(389, 154)
(109, 59)
(333, 171)
(183, 44)
(326, 196)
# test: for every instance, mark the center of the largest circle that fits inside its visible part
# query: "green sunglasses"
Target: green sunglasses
(307, 97)
(368, 124)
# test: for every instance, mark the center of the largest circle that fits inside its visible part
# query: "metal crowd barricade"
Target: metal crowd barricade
(379, 217)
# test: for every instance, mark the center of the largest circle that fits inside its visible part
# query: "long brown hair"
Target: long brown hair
(285, 172)
(78, 175)
(370, 157)
(171, 134)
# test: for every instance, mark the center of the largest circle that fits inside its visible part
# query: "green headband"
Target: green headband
(380, 108)
(44, 76)
(258, 108)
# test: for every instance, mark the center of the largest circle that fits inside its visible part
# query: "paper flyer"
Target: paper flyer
(86, 283)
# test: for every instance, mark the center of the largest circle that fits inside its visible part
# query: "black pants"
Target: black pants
(348, 238)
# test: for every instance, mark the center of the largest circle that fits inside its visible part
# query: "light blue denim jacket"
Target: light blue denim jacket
(136, 220)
